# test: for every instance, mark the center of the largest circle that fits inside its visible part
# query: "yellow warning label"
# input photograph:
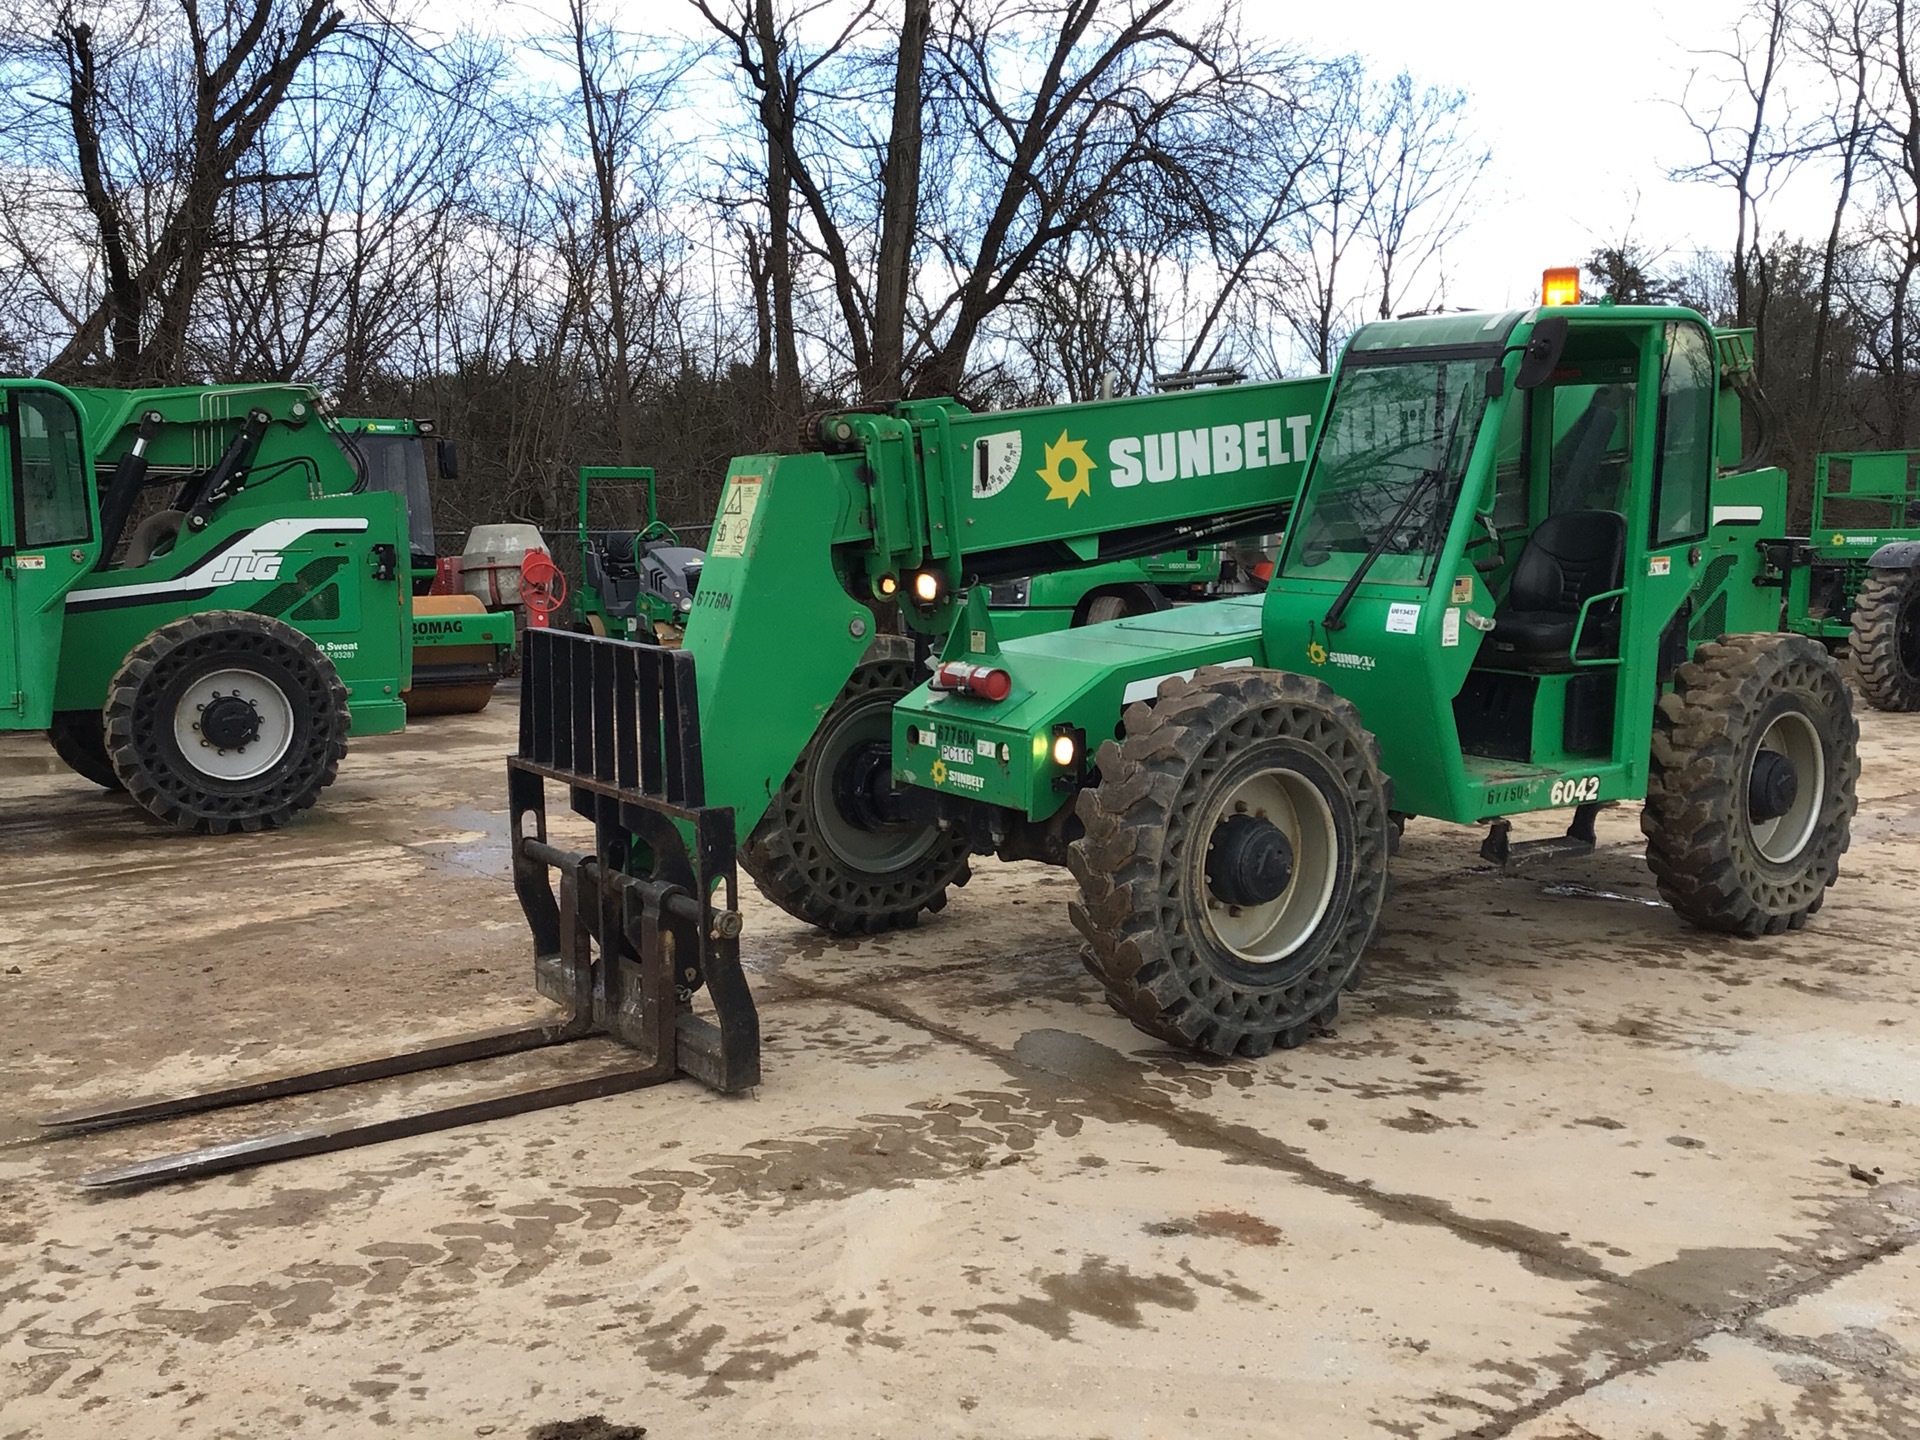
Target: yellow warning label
(736, 516)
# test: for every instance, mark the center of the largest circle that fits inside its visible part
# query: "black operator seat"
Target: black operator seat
(1569, 558)
(616, 555)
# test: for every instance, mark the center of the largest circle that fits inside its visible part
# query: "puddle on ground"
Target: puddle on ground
(489, 855)
(1574, 890)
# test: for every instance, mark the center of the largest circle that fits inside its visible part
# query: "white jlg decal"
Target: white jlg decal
(1577, 791)
(232, 569)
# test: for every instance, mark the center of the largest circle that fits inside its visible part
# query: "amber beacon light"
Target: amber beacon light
(1560, 286)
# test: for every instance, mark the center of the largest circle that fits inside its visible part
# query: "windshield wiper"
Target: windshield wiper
(1333, 619)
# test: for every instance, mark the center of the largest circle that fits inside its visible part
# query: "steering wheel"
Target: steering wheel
(656, 530)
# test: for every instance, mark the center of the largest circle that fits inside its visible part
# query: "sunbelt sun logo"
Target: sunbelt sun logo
(233, 568)
(1068, 470)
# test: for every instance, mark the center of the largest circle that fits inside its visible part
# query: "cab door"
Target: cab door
(49, 538)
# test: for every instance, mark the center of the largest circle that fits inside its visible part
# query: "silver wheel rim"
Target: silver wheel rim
(1267, 934)
(1781, 839)
(258, 755)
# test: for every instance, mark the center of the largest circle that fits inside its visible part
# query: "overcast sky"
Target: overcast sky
(1579, 105)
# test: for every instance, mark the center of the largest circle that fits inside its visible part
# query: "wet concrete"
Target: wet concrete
(1561, 1168)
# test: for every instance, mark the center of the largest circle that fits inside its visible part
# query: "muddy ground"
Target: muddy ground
(1565, 1169)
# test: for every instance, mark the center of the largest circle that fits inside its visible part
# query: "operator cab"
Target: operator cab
(1577, 461)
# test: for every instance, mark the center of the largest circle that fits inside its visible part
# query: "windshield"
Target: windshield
(397, 464)
(1388, 469)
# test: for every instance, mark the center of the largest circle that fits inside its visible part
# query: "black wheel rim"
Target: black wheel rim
(856, 841)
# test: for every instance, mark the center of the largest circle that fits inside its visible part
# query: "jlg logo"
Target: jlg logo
(233, 569)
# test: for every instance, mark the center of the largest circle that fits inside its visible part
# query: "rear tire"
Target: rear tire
(1730, 851)
(1102, 608)
(1204, 928)
(79, 738)
(850, 874)
(226, 720)
(1886, 640)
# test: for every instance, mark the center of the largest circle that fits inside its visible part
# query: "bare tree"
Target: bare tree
(160, 113)
(1420, 170)
(1747, 135)
(1037, 113)
(1839, 36)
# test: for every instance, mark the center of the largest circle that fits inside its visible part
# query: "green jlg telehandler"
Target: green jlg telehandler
(1527, 569)
(210, 658)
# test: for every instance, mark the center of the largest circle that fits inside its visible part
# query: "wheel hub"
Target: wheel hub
(1270, 866)
(1773, 786)
(229, 722)
(233, 725)
(863, 788)
(853, 808)
(1786, 788)
(1249, 862)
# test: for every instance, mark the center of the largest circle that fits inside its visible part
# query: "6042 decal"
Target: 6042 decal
(1577, 791)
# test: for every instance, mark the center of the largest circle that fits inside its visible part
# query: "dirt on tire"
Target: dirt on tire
(792, 861)
(1148, 822)
(1701, 842)
(1885, 643)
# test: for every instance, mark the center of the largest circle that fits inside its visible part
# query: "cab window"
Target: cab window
(1683, 481)
(1592, 446)
(50, 475)
(1510, 509)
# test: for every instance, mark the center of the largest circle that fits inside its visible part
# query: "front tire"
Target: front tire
(1234, 864)
(1750, 796)
(824, 852)
(226, 720)
(1886, 640)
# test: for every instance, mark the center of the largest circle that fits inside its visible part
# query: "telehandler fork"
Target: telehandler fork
(616, 725)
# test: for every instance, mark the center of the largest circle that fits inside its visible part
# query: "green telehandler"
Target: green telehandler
(1523, 573)
(1854, 584)
(209, 658)
(1527, 569)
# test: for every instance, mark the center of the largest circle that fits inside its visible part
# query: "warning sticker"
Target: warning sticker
(996, 460)
(1660, 565)
(1450, 628)
(736, 517)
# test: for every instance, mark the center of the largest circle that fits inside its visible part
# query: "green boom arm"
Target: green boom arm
(921, 502)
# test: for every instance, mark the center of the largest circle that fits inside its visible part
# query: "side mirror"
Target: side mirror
(448, 455)
(1541, 356)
